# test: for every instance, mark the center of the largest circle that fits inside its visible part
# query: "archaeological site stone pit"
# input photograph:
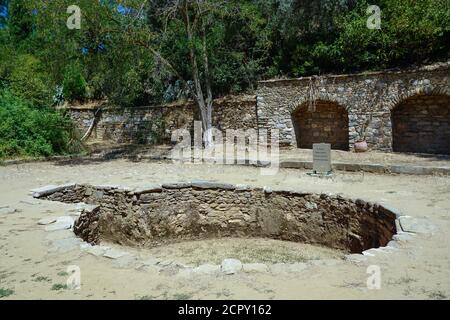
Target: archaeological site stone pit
(158, 214)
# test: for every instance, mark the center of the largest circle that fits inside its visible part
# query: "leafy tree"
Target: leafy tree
(74, 84)
(26, 131)
(28, 80)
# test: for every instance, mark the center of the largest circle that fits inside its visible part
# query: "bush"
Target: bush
(74, 84)
(28, 80)
(411, 32)
(26, 131)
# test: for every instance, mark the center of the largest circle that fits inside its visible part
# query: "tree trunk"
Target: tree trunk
(204, 106)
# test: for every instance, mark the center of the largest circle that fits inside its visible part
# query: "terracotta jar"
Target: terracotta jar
(361, 146)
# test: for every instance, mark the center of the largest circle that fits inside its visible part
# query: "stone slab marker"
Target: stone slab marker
(322, 158)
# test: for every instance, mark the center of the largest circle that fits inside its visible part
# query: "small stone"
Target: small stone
(231, 266)
(165, 263)
(212, 185)
(255, 268)
(177, 185)
(88, 208)
(267, 190)
(7, 210)
(85, 246)
(46, 221)
(311, 205)
(97, 250)
(403, 237)
(243, 187)
(150, 188)
(114, 254)
(62, 223)
(355, 258)
(414, 225)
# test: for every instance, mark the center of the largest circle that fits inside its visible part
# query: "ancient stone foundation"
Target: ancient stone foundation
(201, 210)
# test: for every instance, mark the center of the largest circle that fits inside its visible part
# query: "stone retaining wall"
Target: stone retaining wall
(155, 124)
(200, 210)
(357, 106)
(368, 98)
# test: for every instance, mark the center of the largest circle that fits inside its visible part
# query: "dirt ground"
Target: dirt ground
(370, 157)
(419, 269)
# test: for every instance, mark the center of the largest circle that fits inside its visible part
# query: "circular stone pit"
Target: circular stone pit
(170, 213)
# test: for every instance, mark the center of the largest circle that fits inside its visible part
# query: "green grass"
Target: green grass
(5, 292)
(41, 279)
(59, 286)
(437, 295)
(182, 296)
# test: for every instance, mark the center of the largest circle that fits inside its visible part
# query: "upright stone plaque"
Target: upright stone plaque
(322, 158)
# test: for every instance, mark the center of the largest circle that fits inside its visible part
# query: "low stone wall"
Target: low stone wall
(167, 213)
(155, 124)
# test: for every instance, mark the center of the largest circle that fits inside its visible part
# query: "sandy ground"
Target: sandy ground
(370, 157)
(420, 269)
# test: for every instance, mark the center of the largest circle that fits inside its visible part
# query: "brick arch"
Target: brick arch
(418, 91)
(421, 123)
(322, 96)
(329, 123)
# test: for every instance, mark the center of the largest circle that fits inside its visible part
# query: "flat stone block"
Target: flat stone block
(62, 223)
(415, 225)
(47, 190)
(231, 266)
(7, 210)
(355, 258)
(151, 188)
(46, 221)
(114, 254)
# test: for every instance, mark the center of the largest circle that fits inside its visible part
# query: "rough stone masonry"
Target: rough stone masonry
(159, 214)
(404, 111)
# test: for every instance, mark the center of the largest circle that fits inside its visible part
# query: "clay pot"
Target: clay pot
(361, 146)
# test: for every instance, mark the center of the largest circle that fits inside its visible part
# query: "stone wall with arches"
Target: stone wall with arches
(368, 99)
(339, 109)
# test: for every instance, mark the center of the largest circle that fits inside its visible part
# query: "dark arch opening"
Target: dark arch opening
(328, 123)
(421, 124)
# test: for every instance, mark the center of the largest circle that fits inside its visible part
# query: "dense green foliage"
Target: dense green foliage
(135, 52)
(74, 84)
(27, 131)
(247, 40)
